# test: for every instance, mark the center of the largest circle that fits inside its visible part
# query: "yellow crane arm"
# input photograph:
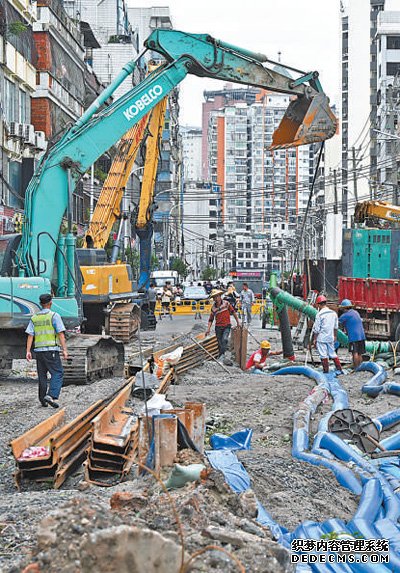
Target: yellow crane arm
(156, 126)
(377, 209)
(108, 207)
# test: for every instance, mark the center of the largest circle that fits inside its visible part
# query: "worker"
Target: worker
(47, 330)
(231, 295)
(353, 325)
(152, 296)
(166, 297)
(246, 300)
(221, 310)
(258, 359)
(324, 334)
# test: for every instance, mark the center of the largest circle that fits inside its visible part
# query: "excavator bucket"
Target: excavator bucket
(306, 120)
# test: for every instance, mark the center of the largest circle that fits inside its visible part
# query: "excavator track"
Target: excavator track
(91, 358)
(124, 321)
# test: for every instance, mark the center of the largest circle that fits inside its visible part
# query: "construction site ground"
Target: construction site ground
(72, 529)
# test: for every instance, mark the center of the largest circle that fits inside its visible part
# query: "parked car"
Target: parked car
(194, 293)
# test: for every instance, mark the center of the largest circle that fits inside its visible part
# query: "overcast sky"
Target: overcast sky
(306, 32)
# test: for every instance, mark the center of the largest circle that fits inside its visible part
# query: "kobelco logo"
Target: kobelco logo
(143, 102)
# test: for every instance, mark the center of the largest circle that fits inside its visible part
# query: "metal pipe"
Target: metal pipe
(61, 266)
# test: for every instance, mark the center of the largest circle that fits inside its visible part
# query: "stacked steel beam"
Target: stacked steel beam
(65, 447)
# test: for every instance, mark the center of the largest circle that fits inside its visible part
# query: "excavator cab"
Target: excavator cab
(306, 120)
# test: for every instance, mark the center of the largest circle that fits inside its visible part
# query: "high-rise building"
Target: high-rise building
(388, 114)
(259, 188)
(192, 138)
(361, 69)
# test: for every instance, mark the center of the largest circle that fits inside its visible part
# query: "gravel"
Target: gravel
(290, 490)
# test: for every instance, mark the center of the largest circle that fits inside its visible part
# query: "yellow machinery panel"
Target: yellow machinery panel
(106, 279)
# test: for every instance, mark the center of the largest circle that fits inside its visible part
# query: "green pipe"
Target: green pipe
(70, 256)
(61, 266)
(280, 297)
(273, 282)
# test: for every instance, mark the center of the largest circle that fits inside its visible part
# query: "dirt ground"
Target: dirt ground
(291, 491)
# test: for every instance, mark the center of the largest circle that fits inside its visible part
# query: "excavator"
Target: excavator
(108, 296)
(41, 259)
(373, 211)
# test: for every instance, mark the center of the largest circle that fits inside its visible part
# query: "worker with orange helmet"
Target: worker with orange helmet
(258, 359)
(324, 334)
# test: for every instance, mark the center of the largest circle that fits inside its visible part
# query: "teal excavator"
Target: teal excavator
(42, 259)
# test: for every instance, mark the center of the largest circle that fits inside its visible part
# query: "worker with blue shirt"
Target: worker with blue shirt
(47, 330)
(352, 323)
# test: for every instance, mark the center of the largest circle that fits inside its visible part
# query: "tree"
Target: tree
(209, 274)
(180, 267)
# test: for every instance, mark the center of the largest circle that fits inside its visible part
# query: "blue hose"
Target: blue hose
(374, 386)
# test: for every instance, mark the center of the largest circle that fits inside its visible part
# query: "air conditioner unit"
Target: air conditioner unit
(40, 140)
(14, 129)
(29, 134)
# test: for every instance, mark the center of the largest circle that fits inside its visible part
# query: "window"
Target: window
(392, 68)
(240, 255)
(248, 245)
(9, 100)
(212, 225)
(240, 245)
(22, 107)
(393, 42)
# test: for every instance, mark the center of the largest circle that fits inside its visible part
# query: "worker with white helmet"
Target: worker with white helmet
(324, 334)
(258, 359)
(352, 323)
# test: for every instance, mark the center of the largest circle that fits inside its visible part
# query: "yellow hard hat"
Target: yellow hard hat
(265, 344)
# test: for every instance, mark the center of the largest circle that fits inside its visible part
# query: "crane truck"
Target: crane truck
(43, 260)
(371, 268)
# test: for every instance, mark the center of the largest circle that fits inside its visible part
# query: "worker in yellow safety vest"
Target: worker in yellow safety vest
(47, 330)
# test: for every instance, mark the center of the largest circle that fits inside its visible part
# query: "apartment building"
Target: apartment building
(20, 145)
(204, 244)
(259, 188)
(388, 115)
(192, 138)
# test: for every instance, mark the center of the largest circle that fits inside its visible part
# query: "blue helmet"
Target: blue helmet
(346, 303)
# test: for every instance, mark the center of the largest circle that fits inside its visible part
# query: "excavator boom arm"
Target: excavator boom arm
(50, 189)
(378, 210)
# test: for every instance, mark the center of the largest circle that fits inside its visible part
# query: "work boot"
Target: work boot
(325, 365)
(51, 401)
(338, 365)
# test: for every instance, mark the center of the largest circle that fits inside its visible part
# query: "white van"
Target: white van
(159, 278)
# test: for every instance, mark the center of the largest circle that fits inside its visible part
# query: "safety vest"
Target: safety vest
(45, 334)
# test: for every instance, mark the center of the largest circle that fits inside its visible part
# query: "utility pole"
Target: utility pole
(335, 204)
(353, 154)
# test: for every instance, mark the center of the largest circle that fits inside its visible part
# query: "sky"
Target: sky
(306, 32)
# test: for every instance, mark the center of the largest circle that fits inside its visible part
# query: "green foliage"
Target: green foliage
(154, 263)
(180, 267)
(209, 274)
(133, 258)
(100, 174)
(17, 28)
